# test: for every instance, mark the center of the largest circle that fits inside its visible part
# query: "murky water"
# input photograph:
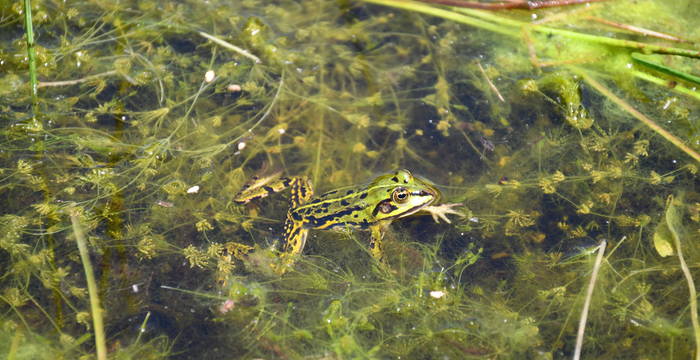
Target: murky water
(149, 117)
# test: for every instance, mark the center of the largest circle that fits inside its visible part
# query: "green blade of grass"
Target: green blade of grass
(31, 51)
(665, 69)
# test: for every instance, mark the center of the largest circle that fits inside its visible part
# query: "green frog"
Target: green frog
(370, 207)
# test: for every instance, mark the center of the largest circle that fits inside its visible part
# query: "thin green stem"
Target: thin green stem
(142, 328)
(31, 51)
(230, 46)
(445, 14)
(77, 81)
(95, 308)
(14, 345)
(663, 82)
(319, 146)
(319, 151)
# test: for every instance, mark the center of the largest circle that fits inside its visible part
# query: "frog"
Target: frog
(371, 207)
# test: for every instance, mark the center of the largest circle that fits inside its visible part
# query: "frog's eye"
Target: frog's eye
(400, 195)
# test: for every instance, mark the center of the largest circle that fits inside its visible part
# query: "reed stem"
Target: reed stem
(95, 308)
(587, 302)
(31, 51)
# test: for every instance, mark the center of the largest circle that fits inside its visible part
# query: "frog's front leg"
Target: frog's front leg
(294, 235)
(294, 241)
(441, 211)
(302, 191)
(376, 248)
(295, 230)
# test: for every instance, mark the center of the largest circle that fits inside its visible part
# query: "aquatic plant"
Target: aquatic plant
(557, 128)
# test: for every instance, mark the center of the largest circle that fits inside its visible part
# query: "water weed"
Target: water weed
(554, 128)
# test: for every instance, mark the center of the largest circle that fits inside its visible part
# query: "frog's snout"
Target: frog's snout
(427, 193)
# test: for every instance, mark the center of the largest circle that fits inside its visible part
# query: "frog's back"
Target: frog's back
(335, 209)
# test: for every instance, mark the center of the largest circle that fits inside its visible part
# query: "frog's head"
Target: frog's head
(400, 194)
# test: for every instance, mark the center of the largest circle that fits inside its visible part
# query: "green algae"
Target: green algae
(149, 116)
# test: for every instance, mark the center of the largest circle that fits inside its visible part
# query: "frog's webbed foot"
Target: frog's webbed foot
(283, 264)
(441, 211)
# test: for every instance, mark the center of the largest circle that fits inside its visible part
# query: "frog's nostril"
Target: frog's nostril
(425, 193)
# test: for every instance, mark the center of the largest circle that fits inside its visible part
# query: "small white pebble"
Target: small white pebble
(209, 76)
(193, 190)
(241, 145)
(437, 294)
(281, 131)
(234, 88)
(135, 288)
(164, 203)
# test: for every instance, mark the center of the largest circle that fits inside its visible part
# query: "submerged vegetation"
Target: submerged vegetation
(559, 129)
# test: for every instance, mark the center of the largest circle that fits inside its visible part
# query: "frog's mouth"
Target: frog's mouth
(430, 194)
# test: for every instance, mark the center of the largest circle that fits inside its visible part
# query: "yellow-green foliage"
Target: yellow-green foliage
(152, 115)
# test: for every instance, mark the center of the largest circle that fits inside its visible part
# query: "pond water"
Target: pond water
(563, 133)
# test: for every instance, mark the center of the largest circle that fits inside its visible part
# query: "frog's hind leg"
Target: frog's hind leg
(260, 187)
(302, 191)
(295, 238)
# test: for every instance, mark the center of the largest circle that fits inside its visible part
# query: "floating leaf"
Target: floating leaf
(663, 240)
(670, 228)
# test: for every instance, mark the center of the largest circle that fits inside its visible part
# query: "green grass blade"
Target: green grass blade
(665, 69)
(31, 52)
